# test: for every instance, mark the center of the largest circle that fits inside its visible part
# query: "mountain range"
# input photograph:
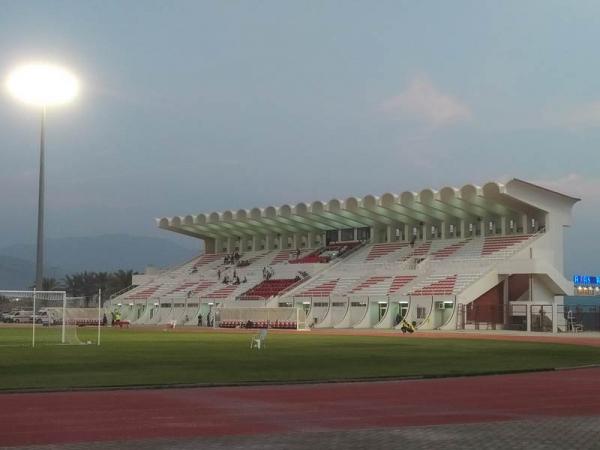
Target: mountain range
(92, 253)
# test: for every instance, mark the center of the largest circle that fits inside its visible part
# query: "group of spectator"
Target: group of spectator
(209, 320)
(302, 274)
(231, 259)
(234, 279)
(268, 273)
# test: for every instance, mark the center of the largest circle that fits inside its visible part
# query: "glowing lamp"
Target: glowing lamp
(42, 84)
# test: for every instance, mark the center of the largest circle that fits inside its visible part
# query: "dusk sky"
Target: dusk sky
(196, 106)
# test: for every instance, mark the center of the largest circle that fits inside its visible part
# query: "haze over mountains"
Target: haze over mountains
(93, 253)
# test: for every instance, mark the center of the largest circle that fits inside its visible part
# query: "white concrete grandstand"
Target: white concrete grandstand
(486, 256)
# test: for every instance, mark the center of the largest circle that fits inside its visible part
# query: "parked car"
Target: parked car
(22, 317)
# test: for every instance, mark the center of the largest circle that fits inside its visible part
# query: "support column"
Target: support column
(554, 315)
(407, 235)
(503, 225)
(209, 246)
(463, 229)
(230, 244)
(269, 240)
(443, 226)
(311, 239)
(283, 241)
(296, 240)
(524, 223)
(426, 231)
(243, 244)
(388, 233)
(356, 234)
(218, 245)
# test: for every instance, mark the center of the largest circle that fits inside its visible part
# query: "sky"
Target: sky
(196, 106)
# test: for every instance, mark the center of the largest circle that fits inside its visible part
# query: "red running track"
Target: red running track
(65, 417)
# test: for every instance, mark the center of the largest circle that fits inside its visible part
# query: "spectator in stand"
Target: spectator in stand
(234, 273)
(104, 320)
(199, 320)
(412, 241)
(219, 274)
(245, 280)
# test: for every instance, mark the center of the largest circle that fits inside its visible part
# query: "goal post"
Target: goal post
(275, 318)
(52, 317)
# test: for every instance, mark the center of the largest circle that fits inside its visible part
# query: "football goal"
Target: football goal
(47, 318)
(277, 318)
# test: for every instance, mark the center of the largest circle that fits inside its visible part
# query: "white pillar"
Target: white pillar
(443, 226)
(407, 236)
(269, 240)
(426, 231)
(310, 239)
(463, 229)
(503, 225)
(283, 241)
(524, 223)
(218, 245)
(388, 233)
(554, 315)
(230, 244)
(356, 234)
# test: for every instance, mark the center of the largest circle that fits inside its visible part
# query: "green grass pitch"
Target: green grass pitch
(154, 357)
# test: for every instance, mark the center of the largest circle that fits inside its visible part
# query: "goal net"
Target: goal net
(47, 318)
(278, 318)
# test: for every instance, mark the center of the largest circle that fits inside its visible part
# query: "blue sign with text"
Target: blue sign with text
(586, 279)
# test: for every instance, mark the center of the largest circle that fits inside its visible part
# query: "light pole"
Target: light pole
(42, 85)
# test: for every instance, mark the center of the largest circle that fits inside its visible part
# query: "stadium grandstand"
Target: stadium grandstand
(475, 257)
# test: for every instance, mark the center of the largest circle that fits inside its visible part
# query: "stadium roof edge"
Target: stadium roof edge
(470, 203)
(575, 199)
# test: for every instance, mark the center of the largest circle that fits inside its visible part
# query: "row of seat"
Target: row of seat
(444, 286)
(493, 244)
(267, 288)
(280, 325)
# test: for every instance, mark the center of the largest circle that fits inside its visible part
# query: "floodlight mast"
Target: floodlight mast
(42, 85)
(39, 261)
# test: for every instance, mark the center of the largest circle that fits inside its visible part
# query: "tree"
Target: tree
(86, 284)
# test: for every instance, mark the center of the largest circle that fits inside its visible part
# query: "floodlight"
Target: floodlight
(42, 85)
